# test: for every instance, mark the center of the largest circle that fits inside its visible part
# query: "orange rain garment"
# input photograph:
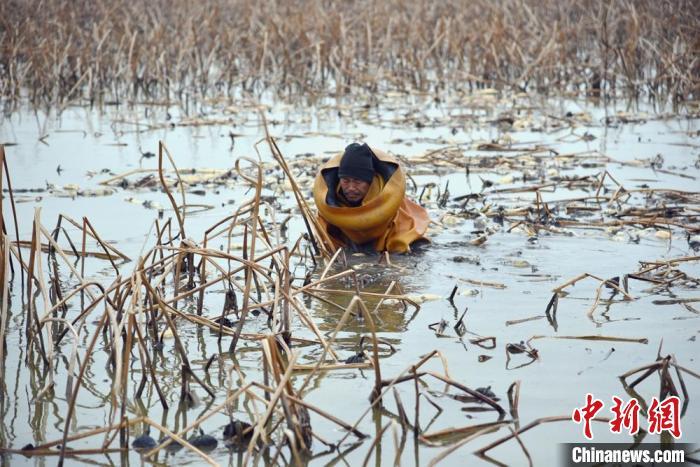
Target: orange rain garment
(386, 217)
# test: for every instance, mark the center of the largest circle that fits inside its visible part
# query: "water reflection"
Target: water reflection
(375, 280)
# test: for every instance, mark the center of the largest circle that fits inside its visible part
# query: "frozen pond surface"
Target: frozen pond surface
(58, 161)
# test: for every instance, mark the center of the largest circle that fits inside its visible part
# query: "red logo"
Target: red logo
(665, 416)
(586, 413)
(626, 417)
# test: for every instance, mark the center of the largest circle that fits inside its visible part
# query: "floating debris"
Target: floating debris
(203, 441)
(144, 441)
(238, 434)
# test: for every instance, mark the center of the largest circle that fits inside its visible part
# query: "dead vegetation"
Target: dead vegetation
(128, 324)
(150, 304)
(57, 52)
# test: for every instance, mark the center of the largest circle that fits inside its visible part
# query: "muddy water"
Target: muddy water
(59, 157)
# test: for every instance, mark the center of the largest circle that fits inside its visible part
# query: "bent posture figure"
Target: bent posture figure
(362, 203)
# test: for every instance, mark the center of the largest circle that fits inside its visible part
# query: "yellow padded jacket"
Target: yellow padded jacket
(386, 216)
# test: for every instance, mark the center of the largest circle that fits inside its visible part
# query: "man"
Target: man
(362, 204)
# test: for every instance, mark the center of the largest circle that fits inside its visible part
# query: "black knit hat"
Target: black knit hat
(357, 163)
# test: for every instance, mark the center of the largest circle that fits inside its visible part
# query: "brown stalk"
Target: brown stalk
(46, 248)
(540, 421)
(275, 397)
(5, 299)
(405, 422)
(71, 454)
(101, 243)
(453, 448)
(249, 271)
(12, 204)
(33, 316)
(89, 433)
(319, 238)
(329, 416)
(74, 395)
(636, 340)
(151, 369)
(377, 440)
(522, 446)
(93, 234)
(180, 217)
(178, 343)
(450, 435)
(514, 401)
(389, 384)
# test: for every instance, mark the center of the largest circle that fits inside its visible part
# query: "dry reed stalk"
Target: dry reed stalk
(333, 366)
(522, 445)
(89, 433)
(381, 300)
(66, 298)
(33, 329)
(73, 452)
(320, 240)
(375, 443)
(636, 340)
(313, 285)
(88, 309)
(103, 245)
(416, 427)
(329, 416)
(73, 354)
(320, 362)
(92, 233)
(389, 384)
(46, 248)
(180, 216)
(472, 393)
(5, 299)
(145, 356)
(330, 263)
(6, 173)
(603, 282)
(202, 272)
(685, 370)
(452, 434)
(178, 343)
(376, 392)
(249, 271)
(437, 459)
(55, 247)
(306, 319)
(495, 285)
(403, 418)
(4, 245)
(298, 422)
(260, 431)
(74, 395)
(514, 402)
(208, 255)
(540, 421)
(666, 383)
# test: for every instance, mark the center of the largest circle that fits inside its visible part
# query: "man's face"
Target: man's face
(354, 189)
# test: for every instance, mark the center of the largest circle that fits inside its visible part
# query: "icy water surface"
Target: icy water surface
(58, 163)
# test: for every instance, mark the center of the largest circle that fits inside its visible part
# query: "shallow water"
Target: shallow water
(90, 144)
